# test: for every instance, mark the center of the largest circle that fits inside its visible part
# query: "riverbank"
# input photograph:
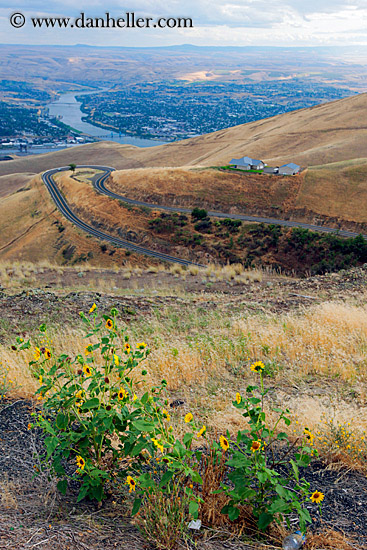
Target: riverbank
(68, 109)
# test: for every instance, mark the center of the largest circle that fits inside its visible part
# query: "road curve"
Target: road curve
(64, 208)
(99, 183)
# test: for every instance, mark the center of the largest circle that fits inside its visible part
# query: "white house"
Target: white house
(247, 163)
(240, 164)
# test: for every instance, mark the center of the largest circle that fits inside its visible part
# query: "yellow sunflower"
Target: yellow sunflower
(40, 380)
(121, 394)
(141, 345)
(166, 416)
(88, 350)
(116, 359)
(317, 497)
(256, 446)
(87, 370)
(224, 443)
(202, 431)
(47, 353)
(80, 462)
(158, 445)
(37, 354)
(109, 324)
(309, 435)
(131, 482)
(188, 418)
(258, 366)
(238, 398)
(127, 347)
(92, 308)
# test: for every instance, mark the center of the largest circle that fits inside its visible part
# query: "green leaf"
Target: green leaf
(187, 438)
(83, 492)
(280, 506)
(295, 469)
(194, 509)
(90, 404)
(264, 520)
(51, 444)
(165, 479)
(137, 448)
(145, 398)
(143, 425)
(238, 461)
(98, 492)
(233, 513)
(62, 486)
(262, 476)
(62, 421)
(254, 400)
(282, 435)
(136, 506)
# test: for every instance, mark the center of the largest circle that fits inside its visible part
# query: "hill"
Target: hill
(327, 133)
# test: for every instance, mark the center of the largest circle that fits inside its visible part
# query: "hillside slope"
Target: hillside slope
(327, 133)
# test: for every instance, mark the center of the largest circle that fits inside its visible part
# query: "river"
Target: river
(68, 108)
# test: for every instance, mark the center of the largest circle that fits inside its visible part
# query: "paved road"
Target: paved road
(100, 184)
(64, 208)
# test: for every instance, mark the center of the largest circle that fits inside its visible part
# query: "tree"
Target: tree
(72, 167)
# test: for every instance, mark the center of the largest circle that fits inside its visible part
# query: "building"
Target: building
(247, 163)
(271, 170)
(289, 169)
(240, 164)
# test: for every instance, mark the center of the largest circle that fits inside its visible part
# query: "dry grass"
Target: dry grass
(329, 339)
(207, 188)
(205, 358)
(336, 190)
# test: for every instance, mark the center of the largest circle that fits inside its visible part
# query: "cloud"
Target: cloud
(240, 22)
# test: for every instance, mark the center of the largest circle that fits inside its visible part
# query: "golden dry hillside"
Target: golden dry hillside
(326, 133)
(334, 192)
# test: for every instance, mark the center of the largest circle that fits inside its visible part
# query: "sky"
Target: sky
(224, 23)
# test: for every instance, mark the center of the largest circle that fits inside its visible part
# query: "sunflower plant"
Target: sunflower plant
(91, 415)
(265, 464)
(175, 463)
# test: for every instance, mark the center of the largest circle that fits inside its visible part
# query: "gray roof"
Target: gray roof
(240, 162)
(255, 161)
(291, 165)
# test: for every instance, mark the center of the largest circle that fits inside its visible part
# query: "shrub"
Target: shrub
(264, 473)
(89, 401)
(203, 225)
(199, 213)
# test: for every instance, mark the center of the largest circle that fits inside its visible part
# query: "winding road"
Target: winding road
(99, 183)
(64, 208)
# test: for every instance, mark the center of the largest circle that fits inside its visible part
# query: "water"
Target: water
(39, 150)
(68, 107)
